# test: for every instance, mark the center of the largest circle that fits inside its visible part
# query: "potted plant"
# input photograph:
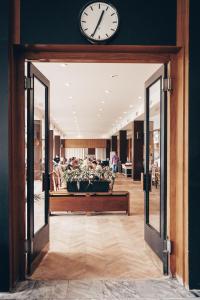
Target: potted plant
(86, 179)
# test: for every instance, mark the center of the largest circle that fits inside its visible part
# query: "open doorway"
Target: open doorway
(95, 102)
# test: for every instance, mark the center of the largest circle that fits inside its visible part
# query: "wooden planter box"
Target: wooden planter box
(87, 187)
(85, 202)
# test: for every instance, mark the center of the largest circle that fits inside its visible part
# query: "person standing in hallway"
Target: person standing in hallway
(57, 159)
(115, 160)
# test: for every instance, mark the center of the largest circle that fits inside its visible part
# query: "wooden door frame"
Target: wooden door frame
(178, 128)
(100, 54)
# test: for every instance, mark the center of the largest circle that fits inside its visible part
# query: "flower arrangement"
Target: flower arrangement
(85, 173)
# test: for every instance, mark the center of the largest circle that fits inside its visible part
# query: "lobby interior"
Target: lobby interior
(96, 110)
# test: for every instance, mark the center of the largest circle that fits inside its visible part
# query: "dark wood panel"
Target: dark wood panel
(90, 203)
(108, 148)
(100, 53)
(138, 149)
(102, 48)
(123, 146)
(114, 143)
(57, 145)
(129, 149)
(91, 151)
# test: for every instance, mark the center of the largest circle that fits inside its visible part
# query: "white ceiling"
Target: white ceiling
(94, 100)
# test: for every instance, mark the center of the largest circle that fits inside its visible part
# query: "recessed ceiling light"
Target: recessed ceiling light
(120, 118)
(131, 105)
(140, 97)
(107, 91)
(125, 112)
(70, 97)
(102, 102)
(74, 112)
(114, 75)
(63, 65)
(67, 84)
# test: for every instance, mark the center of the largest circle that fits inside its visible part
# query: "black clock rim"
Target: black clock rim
(91, 39)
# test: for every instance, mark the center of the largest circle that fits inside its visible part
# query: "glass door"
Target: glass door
(155, 178)
(37, 166)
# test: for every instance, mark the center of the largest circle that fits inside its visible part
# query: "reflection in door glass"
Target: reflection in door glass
(154, 154)
(39, 154)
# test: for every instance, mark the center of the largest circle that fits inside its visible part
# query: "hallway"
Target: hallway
(101, 246)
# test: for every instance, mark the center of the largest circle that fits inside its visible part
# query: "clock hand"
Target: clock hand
(100, 19)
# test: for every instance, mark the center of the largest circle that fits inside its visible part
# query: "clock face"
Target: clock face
(99, 21)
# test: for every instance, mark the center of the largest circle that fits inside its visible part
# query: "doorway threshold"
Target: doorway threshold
(167, 288)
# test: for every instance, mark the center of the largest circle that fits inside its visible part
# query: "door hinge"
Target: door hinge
(167, 84)
(28, 83)
(167, 246)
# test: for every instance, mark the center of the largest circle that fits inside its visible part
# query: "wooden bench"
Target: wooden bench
(89, 202)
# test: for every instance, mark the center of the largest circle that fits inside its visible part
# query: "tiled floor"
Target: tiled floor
(99, 290)
(101, 246)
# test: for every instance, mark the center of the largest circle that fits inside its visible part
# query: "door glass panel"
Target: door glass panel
(39, 154)
(154, 154)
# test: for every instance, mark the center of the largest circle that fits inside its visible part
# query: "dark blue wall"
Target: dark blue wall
(4, 156)
(143, 22)
(194, 147)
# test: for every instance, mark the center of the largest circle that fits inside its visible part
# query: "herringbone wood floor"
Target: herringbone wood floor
(100, 246)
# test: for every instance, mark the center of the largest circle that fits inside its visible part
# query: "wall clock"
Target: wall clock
(99, 21)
